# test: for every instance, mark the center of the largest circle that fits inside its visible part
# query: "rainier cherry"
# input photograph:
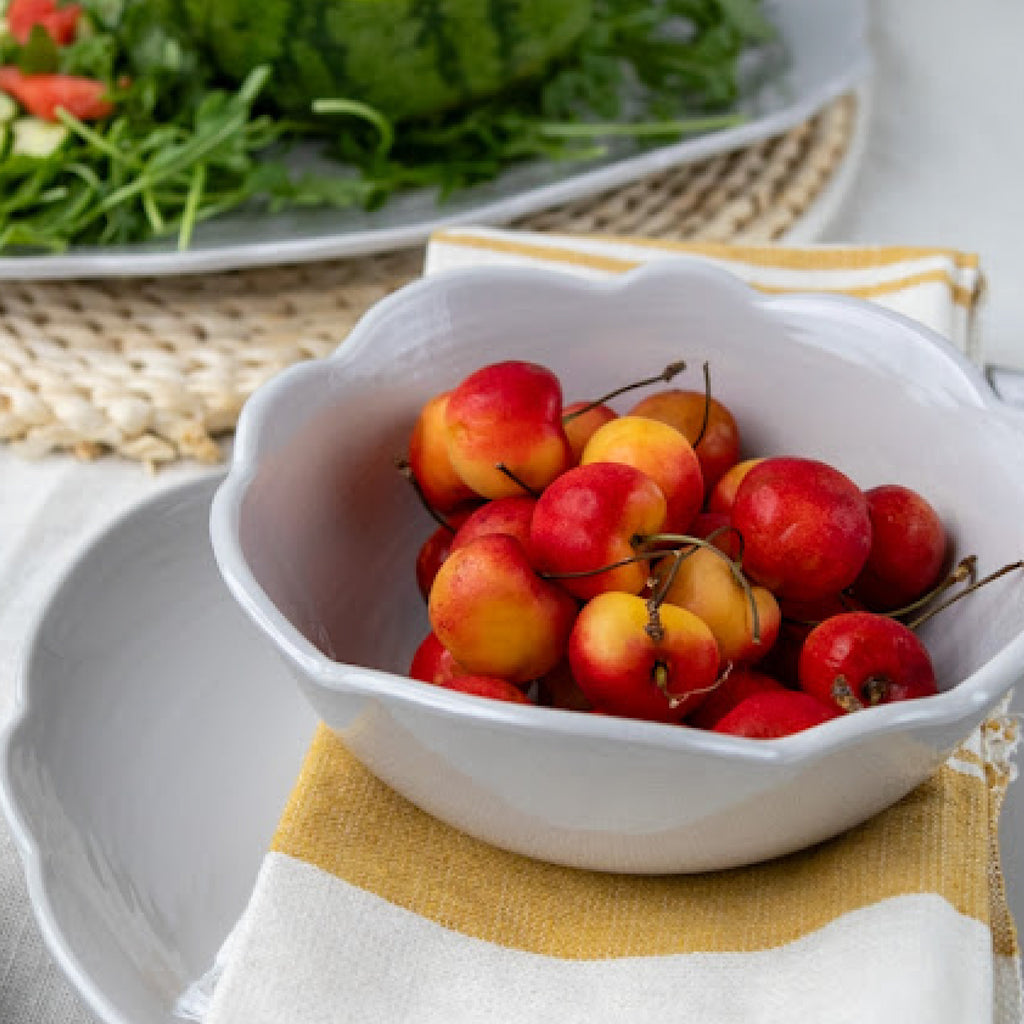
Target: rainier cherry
(859, 659)
(496, 615)
(711, 587)
(719, 446)
(442, 488)
(488, 686)
(507, 415)
(626, 667)
(662, 453)
(587, 519)
(503, 515)
(580, 421)
(433, 663)
(908, 548)
(771, 714)
(434, 550)
(805, 526)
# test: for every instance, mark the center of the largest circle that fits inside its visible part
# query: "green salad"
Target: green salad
(123, 121)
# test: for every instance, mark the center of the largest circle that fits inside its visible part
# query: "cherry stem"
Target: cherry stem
(403, 466)
(655, 629)
(707, 406)
(659, 676)
(921, 619)
(665, 585)
(684, 540)
(684, 547)
(642, 557)
(964, 571)
(502, 468)
(670, 371)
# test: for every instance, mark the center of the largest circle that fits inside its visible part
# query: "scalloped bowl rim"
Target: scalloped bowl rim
(982, 688)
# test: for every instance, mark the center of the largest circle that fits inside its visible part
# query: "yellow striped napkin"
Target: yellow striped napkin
(367, 909)
(939, 287)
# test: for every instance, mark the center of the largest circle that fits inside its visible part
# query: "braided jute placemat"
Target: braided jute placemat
(157, 369)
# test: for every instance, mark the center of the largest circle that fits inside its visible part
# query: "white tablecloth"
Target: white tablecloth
(942, 167)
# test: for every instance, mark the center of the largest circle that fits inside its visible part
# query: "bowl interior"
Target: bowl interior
(330, 530)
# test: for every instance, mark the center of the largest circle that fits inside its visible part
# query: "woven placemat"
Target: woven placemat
(157, 369)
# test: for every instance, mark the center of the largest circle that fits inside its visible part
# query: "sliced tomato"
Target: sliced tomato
(61, 21)
(43, 95)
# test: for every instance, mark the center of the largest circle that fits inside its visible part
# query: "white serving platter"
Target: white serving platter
(827, 55)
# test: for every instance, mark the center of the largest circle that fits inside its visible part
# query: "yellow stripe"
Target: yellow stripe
(345, 821)
(961, 296)
(790, 258)
(783, 257)
(615, 264)
(553, 254)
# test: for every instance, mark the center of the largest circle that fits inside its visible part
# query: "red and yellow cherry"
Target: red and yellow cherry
(434, 550)
(433, 662)
(507, 415)
(909, 547)
(511, 516)
(772, 714)
(487, 686)
(736, 686)
(723, 494)
(805, 527)
(710, 586)
(626, 668)
(496, 615)
(587, 519)
(662, 453)
(441, 486)
(581, 425)
(860, 659)
(718, 449)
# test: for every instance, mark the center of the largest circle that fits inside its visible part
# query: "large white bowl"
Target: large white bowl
(316, 534)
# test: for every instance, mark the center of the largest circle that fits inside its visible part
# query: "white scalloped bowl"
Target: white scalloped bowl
(316, 535)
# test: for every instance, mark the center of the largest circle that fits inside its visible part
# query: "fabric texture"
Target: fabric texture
(368, 909)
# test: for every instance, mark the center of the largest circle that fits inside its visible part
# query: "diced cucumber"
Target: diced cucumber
(34, 137)
(8, 108)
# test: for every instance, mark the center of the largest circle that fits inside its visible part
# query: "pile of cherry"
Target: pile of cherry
(632, 565)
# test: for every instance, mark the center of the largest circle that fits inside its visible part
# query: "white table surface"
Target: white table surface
(944, 166)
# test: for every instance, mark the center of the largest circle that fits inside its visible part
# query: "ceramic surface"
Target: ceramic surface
(826, 44)
(155, 745)
(316, 535)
